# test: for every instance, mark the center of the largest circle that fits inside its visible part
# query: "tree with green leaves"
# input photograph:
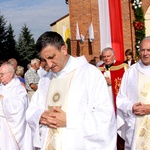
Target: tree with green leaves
(26, 46)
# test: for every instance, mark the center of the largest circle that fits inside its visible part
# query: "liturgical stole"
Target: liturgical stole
(57, 96)
(143, 122)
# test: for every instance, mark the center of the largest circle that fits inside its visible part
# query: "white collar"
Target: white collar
(143, 68)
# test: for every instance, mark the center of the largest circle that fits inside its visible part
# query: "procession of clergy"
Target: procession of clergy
(65, 103)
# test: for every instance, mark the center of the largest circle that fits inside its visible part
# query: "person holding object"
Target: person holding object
(71, 109)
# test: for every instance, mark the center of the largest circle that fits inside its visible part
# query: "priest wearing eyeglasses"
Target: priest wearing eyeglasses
(15, 134)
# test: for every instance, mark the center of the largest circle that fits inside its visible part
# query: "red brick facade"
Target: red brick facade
(86, 11)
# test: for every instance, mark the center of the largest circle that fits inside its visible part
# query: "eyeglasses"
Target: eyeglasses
(2, 74)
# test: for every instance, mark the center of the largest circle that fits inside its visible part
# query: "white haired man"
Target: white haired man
(32, 77)
(133, 102)
(15, 134)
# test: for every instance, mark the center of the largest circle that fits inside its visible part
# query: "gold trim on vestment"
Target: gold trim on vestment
(117, 84)
(114, 68)
(143, 122)
(145, 133)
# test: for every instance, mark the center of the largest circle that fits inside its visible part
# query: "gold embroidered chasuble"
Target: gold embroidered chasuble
(143, 122)
(57, 96)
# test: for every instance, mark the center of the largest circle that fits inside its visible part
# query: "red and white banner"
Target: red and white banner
(111, 31)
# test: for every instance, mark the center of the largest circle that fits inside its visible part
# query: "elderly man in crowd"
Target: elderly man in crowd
(13, 62)
(15, 134)
(113, 71)
(133, 102)
(32, 77)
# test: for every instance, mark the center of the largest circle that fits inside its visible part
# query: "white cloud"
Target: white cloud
(36, 14)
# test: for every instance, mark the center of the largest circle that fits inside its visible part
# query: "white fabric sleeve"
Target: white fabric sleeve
(33, 115)
(15, 106)
(125, 104)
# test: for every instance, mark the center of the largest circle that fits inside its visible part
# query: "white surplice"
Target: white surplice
(126, 98)
(91, 122)
(15, 133)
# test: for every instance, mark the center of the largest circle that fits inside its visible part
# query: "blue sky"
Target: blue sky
(36, 14)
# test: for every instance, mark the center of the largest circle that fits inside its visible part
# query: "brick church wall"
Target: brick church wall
(86, 11)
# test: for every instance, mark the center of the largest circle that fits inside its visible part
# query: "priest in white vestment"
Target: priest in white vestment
(133, 102)
(15, 133)
(71, 110)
